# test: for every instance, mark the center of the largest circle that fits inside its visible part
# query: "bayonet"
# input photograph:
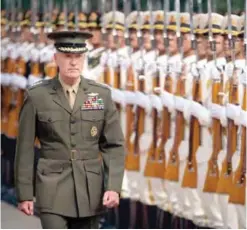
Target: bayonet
(126, 33)
(166, 10)
(229, 34)
(210, 33)
(178, 33)
(65, 11)
(76, 15)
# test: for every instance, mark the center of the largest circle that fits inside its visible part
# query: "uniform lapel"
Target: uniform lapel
(58, 95)
(81, 95)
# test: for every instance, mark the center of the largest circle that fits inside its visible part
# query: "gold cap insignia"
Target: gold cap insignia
(94, 131)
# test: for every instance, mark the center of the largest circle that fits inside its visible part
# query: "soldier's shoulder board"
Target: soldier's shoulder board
(38, 84)
(97, 84)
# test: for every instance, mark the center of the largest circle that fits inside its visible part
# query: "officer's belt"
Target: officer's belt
(73, 154)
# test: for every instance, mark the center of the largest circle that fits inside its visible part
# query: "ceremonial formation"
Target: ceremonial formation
(179, 83)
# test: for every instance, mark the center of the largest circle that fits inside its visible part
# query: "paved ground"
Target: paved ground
(13, 218)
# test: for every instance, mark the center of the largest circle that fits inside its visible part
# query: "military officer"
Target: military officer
(76, 120)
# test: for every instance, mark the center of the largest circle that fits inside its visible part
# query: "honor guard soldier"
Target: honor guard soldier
(76, 120)
(214, 74)
(92, 68)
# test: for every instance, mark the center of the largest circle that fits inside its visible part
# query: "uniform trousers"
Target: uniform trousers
(54, 221)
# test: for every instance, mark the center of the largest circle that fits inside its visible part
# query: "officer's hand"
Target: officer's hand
(111, 199)
(26, 207)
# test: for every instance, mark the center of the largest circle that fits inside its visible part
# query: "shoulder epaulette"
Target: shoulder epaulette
(94, 83)
(37, 84)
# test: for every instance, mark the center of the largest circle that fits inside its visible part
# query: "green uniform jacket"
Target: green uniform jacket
(70, 173)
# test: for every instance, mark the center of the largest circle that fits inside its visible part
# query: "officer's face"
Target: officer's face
(158, 35)
(201, 45)
(219, 40)
(173, 47)
(133, 39)
(119, 42)
(227, 47)
(146, 39)
(70, 65)
(186, 42)
(239, 44)
(96, 39)
(26, 34)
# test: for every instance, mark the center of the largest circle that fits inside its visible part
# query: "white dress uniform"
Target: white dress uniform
(235, 217)
(131, 179)
(145, 188)
(35, 55)
(92, 68)
(173, 62)
(183, 208)
(210, 201)
(4, 55)
(201, 112)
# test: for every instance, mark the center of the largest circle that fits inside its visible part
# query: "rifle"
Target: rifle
(212, 177)
(225, 180)
(132, 160)
(172, 169)
(190, 173)
(116, 71)
(237, 190)
(237, 193)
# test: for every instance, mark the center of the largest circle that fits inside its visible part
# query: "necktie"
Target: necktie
(71, 97)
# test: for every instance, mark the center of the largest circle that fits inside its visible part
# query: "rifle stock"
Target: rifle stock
(155, 166)
(190, 174)
(237, 193)
(132, 159)
(226, 176)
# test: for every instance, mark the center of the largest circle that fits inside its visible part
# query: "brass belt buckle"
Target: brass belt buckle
(72, 155)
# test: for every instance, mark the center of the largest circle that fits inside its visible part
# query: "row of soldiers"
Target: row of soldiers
(179, 83)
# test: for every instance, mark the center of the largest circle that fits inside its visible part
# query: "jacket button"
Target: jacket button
(73, 144)
(49, 119)
(72, 133)
(72, 121)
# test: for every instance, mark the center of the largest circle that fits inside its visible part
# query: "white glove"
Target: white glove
(168, 100)
(19, 81)
(5, 79)
(201, 113)
(187, 109)
(130, 97)
(143, 101)
(156, 102)
(243, 118)
(179, 103)
(32, 80)
(233, 112)
(118, 96)
(219, 112)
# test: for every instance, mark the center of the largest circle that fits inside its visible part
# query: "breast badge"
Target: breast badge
(94, 131)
